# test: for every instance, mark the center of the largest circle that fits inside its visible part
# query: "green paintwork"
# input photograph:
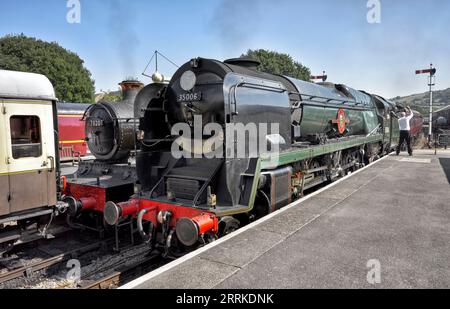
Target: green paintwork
(319, 119)
(296, 156)
(315, 151)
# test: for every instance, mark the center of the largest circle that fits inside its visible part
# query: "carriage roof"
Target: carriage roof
(25, 86)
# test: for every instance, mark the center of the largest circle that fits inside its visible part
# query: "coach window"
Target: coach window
(25, 137)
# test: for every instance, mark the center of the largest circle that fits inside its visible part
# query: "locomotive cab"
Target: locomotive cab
(386, 113)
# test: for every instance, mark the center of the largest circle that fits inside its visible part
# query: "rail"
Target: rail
(27, 271)
(126, 274)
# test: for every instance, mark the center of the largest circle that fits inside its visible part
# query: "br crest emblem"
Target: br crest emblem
(341, 121)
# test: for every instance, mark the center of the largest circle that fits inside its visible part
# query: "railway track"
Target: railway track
(126, 274)
(29, 270)
(101, 268)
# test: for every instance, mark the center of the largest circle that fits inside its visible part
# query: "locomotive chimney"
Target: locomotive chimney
(130, 89)
(248, 63)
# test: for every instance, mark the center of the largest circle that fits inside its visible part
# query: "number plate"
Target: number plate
(189, 97)
(95, 122)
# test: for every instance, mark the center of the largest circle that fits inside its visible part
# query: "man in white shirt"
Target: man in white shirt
(405, 128)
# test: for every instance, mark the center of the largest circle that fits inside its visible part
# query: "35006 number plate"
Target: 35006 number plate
(190, 97)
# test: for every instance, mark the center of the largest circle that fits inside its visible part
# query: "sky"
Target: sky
(116, 38)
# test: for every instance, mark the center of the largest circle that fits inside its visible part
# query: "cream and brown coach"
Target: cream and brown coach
(29, 163)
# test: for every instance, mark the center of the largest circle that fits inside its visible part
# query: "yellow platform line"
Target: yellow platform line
(73, 142)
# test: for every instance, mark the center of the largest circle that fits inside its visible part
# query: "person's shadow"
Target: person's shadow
(445, 162)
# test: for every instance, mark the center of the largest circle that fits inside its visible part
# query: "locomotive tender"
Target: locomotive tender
(325, 131)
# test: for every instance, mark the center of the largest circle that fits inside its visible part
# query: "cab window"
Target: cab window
(25, 137)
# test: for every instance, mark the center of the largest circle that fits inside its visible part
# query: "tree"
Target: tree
(114, 96)
(278, 63)
(71, 80)
(109, 96)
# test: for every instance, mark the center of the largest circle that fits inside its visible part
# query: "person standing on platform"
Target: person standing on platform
(405, 130)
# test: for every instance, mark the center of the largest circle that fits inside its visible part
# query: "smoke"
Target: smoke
(236, 23)
(122, 15)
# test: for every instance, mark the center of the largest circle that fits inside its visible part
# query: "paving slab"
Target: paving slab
(197, 273)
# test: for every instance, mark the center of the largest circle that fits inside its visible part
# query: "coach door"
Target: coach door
(30, 152)
(4, 173)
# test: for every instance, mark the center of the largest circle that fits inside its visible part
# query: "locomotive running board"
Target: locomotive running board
(293, 156)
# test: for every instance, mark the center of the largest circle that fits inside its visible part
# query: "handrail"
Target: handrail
(233, 91)
(374, 130)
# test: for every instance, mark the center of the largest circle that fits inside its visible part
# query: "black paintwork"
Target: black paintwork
(229, 178)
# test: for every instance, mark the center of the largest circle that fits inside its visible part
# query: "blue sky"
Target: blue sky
(116, 38)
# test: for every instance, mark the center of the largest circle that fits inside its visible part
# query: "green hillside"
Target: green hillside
(421, 102)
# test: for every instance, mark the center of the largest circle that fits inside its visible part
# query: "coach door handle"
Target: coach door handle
(52, 163)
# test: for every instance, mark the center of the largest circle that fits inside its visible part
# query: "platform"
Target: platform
(396, 211)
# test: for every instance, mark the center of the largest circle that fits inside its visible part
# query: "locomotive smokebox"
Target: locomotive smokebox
(111, 127)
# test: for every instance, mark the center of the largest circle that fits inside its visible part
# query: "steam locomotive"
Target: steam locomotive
(111, 137)
(319, 131)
